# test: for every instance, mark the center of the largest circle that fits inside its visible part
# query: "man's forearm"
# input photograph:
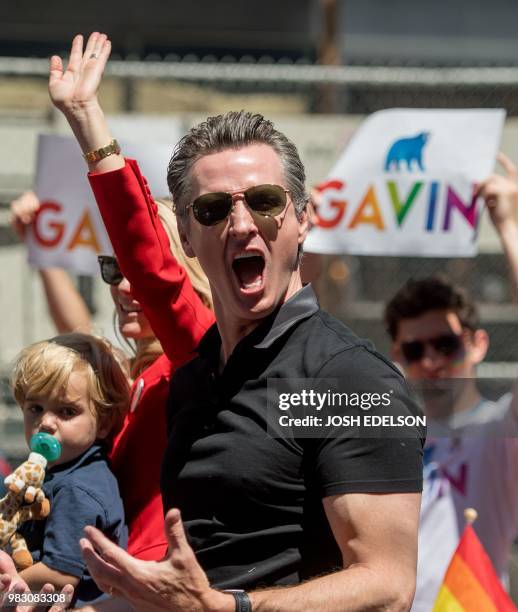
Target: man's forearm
(356, 588)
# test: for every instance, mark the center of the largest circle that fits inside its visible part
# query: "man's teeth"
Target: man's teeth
(256, 283)
(247, 255)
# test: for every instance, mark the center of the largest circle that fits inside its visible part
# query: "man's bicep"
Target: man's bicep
(376, 529)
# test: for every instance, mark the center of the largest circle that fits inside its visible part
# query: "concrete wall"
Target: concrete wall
(453, 32)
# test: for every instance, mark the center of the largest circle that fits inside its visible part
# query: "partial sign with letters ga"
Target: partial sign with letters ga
(406, 184)
(68, 231)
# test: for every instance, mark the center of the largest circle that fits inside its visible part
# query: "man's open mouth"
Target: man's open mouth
(248, 268)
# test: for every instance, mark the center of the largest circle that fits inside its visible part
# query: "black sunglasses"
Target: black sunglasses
(446, 345)
(110, 271)
(266, 200)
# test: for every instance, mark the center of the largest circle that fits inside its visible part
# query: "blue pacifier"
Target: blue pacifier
(46, 445)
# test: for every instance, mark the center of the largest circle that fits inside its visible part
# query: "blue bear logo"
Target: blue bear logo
(409, 150)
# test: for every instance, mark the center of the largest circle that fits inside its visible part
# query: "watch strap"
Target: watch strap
(112, 148)
(243, 603)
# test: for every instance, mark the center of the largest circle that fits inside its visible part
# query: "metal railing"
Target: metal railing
(294, 74)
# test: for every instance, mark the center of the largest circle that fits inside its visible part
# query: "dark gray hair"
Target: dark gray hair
(228, 131)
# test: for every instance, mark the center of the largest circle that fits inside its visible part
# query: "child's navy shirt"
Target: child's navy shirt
(81, 492)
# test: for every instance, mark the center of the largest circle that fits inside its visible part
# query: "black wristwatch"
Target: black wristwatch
(243, 603)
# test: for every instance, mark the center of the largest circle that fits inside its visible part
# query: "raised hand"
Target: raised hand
(23, 211)
(74, 92)
(75, 88)
(501, 195)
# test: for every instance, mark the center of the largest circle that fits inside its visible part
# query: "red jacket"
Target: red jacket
(179, 319)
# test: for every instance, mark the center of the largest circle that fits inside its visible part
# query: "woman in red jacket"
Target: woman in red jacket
(159, 284)
(137, 451)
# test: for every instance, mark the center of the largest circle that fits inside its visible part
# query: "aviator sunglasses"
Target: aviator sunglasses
(266, 200)
(110, 271)
(446, 345)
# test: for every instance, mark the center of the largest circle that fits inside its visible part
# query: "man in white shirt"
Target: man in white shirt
(471, 454)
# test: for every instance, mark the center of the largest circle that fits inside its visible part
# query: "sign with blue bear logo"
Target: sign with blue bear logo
(408, 150)
(406, 184)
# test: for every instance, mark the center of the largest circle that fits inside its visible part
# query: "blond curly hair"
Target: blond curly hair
(44, 369)
(149, 349)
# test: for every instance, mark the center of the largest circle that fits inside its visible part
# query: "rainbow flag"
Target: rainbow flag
(470, 583)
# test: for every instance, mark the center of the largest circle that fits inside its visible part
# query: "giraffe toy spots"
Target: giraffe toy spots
(24, 501)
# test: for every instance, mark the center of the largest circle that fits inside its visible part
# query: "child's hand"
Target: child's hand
(10, 587)
(23, 211)
(12, 584)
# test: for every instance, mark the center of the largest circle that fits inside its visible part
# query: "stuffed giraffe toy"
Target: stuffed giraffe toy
(25, 501)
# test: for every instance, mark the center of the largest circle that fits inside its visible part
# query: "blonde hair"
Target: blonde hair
(149, 349)
(44, 369)
(192, 266)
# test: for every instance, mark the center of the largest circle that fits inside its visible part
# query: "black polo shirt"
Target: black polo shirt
(252, 503)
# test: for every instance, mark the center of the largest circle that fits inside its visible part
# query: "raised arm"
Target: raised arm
(501, 196)
(66, 306)
(176, 313)
(74, 92)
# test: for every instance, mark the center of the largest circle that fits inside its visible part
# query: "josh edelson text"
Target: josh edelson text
(323, 410)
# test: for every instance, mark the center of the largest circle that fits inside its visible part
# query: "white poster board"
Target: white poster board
(405, 184)
(68, 231)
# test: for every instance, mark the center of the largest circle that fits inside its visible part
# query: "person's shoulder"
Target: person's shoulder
(94, 478)
(334, 346)
(495, 418)
(92, 494)
(331, 332)
(77, 503)
(161, 368)
(195, 369)
(492, 410)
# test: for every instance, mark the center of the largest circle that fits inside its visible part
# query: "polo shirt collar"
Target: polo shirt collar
(63, 469)
(300, 306)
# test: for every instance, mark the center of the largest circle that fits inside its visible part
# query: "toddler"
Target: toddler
(73, 388)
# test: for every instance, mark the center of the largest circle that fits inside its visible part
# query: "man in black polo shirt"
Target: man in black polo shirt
(329, 519)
